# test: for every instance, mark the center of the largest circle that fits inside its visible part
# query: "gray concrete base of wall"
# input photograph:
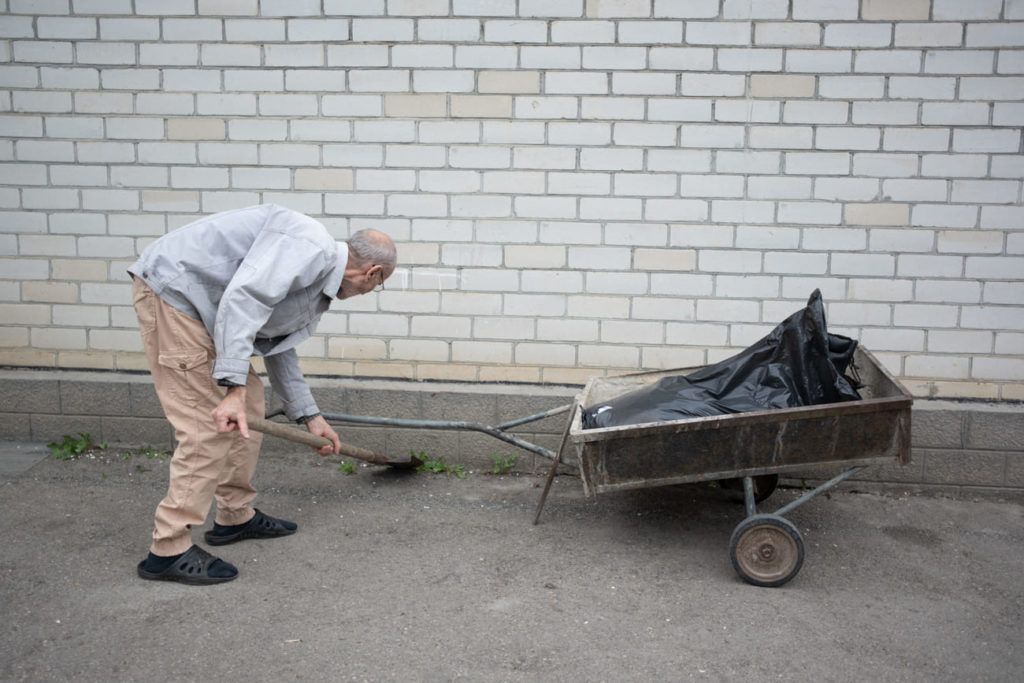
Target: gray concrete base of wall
(958, 447)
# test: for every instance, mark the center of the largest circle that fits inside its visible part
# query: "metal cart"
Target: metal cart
(746, 449)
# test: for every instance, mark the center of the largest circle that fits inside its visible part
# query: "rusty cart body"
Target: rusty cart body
(750, 450)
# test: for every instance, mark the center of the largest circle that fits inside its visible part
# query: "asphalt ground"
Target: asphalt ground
(429, 577)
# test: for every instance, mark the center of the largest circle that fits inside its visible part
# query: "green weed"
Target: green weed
(70, 448)
(347, 468)
(503, 464)
(439, 466)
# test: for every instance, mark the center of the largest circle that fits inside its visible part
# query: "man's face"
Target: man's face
(362, 281)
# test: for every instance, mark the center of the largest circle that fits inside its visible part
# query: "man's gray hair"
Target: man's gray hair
(370, 246)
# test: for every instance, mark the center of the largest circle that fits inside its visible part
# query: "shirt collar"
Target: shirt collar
(333, 283)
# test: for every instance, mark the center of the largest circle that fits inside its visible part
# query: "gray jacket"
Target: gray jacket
(259, 279)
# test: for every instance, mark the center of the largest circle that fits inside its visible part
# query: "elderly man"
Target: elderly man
(209, 296)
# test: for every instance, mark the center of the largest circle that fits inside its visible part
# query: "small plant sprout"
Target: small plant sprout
(150, 452)
(439, 466)
(503, 464)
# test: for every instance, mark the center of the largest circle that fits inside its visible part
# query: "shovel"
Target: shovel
(297, 435)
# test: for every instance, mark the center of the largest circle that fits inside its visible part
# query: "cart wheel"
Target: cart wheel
(766, 550)
(764, 486)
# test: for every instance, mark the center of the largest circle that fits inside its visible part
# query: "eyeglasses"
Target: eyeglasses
(380, 287)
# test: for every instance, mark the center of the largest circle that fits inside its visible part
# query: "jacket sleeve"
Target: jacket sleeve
(278, 262)
(289, 384)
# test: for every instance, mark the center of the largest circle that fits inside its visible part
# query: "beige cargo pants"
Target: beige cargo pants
(206, 465)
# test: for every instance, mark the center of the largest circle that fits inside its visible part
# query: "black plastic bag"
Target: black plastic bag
(799, 363)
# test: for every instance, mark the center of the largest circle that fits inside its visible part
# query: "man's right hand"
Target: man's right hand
(230, 414)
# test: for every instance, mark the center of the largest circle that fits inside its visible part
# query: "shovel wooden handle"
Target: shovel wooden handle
(299, 436)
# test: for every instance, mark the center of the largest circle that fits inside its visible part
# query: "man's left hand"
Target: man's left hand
(318, 425)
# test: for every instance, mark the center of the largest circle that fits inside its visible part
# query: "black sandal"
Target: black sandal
(260, 526)
(193, 568)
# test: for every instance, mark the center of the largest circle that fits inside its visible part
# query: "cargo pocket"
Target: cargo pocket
(187, 375)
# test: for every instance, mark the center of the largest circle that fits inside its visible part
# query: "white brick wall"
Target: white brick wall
(576, 188)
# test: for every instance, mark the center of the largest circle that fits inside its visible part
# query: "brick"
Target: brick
(40, 198)
(630, 58)
(825, 9)
(43, 51)
(1009, 343)
(767, 9)
(1002, 34)
(993, 267)
(917, 139)
(912, 265)
(228, 7)
(784, 137)
(588, 32)
(887, 61)
(858, 35)
(256, 30)
(990, 88)
(907, 10)
(650, 32)
(45, 102)
(511, 82)
(815, 112)
(135, 29)
(549, 57)
(105, 53)
(191, 80)
(448, 30)
(481, 352)
(943, 291)
(718, 33)
(270, 178)
(1010, 62)
(627, 83)
(985, 191)
(1003, 292)
(481, 106)
(877, 214)
(959, 61)
(503, 31)
(819, 61)
(608, 356)
(789, 33)
(1001, 217)
(621, 9)
(422, 156)
(722, 85)
(749, 59)
(853, 87)
(576, 83)
(621, 108)
(631, 332)
(442, 81)
(930, 35)
(951, 10)
(991, 140)
(354, 7)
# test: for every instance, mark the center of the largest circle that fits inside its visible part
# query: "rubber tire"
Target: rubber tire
(766, 550)
(764, 486)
